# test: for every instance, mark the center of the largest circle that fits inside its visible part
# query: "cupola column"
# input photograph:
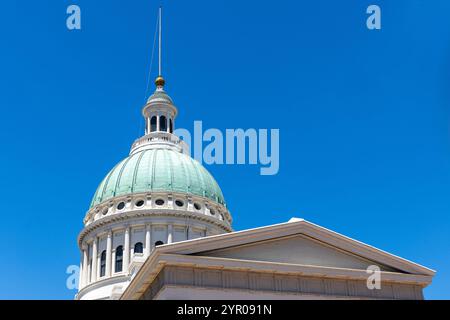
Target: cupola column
(168, 117)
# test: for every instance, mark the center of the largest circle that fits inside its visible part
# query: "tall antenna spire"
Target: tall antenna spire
(160, 38)
(160, 80)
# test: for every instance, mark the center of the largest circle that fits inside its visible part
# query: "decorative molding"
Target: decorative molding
(302, 227)
(200, 277)
(108, 220)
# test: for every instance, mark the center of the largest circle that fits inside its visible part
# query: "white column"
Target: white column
(168, 122)
(85, 266)
(108, 254)
(169, 233)
(113, 262)
(148, 240)
(126, 254)
(94, 261)
(97, 272)
(157, 122)
(80, 278)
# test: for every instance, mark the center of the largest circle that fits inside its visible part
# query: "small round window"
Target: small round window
(212, 211)
(197, 206)
(179, 203)
(121, 205)
(139, 203)
(105, 211)
(159, 202)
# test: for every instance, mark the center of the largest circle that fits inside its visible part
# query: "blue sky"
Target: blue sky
(363, 118)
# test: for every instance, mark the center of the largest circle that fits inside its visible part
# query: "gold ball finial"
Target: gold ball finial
(160, 82)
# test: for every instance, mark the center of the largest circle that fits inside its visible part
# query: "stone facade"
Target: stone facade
(294, 260)
(174, 282)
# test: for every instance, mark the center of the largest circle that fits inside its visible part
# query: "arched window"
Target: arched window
(158, 243)
(103, 263)
(119, 259)
(162, 123)
(138, 248)
(170, 125)
(153, 124)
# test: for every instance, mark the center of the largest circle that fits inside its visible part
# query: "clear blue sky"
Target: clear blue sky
(363, 118)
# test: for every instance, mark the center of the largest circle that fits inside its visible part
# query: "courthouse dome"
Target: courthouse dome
(157, 195)
(158, 170)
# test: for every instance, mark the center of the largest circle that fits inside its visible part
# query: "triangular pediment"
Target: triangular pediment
(296, 242)
(297, 249)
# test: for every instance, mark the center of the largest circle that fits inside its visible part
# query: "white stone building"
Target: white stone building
(159, 228)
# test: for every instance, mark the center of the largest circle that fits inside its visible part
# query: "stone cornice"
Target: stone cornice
(301, 227)
(413, 271)
(123, 217)
(159, 260)
(101, 283)
(148, 195)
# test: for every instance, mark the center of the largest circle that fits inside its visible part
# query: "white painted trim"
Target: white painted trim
(159, 260)
(414, 272)
(300, 227)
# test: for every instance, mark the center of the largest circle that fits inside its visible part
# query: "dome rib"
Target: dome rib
(202, 178)
(107, 179)
(170, 173)
(143, 173)
(210, 187)
(153, 162)
(123, 184)
(197, 182)
(186, 176)
(133, 184)
(119, 176)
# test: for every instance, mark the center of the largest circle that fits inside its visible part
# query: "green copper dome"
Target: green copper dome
(158, 170)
